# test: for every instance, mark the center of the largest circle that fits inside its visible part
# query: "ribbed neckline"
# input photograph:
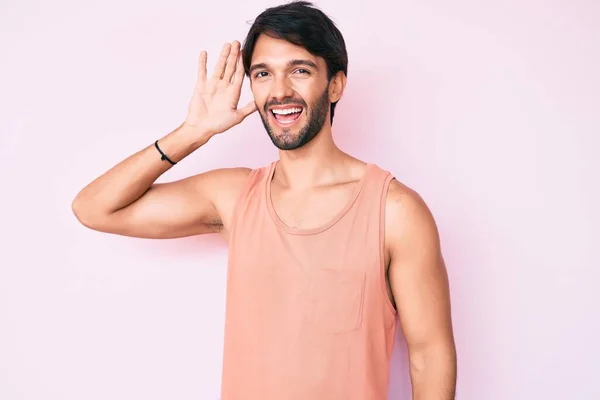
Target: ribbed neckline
(323, 227)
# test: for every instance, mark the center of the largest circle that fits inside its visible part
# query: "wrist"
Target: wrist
(181, 142)
(193, 136)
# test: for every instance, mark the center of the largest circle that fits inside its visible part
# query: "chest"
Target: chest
(313, 208)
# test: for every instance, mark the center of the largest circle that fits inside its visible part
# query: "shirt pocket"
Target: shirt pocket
(336, 300)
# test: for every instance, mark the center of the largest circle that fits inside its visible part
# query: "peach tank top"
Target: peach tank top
(307, 311)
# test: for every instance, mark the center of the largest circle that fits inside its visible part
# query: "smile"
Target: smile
(286, 117)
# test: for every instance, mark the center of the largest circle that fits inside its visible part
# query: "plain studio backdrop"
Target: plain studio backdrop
(490, 110)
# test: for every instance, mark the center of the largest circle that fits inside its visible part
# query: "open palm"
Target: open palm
(214, 105)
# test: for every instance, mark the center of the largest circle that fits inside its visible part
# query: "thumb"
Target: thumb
(247, 109)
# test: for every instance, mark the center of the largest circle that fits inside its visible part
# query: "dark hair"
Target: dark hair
(302, 24)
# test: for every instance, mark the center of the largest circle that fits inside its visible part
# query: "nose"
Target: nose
(281, 88)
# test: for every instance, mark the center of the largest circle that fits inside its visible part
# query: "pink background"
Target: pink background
(489, 109)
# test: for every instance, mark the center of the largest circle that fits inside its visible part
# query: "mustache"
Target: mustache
(285, 102)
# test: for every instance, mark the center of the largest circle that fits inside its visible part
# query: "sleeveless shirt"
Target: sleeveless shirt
(307, 311)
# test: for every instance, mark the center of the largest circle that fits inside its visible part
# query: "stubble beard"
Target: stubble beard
(286, 140)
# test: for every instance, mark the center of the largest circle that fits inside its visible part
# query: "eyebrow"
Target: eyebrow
(291, 63)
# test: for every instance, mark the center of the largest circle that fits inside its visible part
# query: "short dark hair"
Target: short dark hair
(302, 24)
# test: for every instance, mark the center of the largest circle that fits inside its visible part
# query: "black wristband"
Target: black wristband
(163, 156)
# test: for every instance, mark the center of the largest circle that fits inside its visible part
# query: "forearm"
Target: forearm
(127, 181)
(433, 374)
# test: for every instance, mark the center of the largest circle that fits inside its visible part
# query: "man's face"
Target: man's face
(290, 88)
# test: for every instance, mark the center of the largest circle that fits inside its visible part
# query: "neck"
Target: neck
(313, 164)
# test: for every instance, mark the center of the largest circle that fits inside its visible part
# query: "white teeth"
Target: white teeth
(287, 111)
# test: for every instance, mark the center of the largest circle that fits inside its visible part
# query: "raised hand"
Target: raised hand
(214, 105)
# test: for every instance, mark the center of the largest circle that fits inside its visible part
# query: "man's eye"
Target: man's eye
(260, 74)
(302, 71)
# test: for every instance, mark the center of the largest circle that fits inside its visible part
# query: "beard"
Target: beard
(316, 114)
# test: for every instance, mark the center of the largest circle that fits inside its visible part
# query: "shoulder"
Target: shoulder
(228, 181)
(403, 201)
(231, 179)
(221, 182)
(224, 187)
(409, 222)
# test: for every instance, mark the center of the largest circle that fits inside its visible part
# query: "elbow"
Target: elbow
(433, 357)
(78, 210)
(84, 213)
(433, 370)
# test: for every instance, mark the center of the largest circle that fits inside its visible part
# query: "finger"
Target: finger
(238, 77)
(247, 109)
(231, 62)
(202, 67)
(220, 67)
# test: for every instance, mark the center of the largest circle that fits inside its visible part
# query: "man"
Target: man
(326, 252)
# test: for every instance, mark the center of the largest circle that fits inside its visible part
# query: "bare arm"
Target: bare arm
(125, 200)
(419, 284)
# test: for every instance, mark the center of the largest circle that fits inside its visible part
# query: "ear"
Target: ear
(336, 86)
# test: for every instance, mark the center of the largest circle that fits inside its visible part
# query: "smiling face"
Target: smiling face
(291, 91)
